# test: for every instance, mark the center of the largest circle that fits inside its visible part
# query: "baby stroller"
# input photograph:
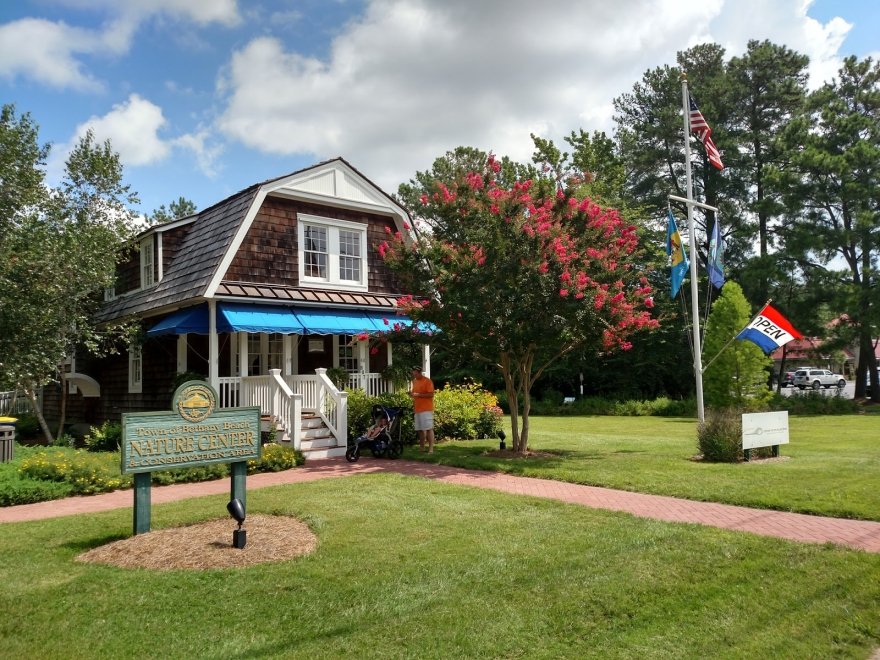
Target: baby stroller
(382, 438)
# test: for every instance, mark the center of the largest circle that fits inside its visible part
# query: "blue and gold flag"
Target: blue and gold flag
(675, 249)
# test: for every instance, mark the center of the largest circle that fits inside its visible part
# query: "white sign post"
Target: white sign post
(764, 430)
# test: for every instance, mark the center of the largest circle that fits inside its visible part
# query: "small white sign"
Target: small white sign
(764, 429)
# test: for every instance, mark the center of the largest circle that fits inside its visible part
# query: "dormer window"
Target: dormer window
(332, 252)
(148, 278)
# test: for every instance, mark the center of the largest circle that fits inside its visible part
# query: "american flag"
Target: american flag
(702, 130)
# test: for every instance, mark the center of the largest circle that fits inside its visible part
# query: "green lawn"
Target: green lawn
(832, 464)
(407, 567)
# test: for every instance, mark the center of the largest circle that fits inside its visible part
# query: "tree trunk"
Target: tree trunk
(32, 397)
(63, 406)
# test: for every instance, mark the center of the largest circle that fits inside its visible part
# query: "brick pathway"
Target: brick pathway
(857, 534)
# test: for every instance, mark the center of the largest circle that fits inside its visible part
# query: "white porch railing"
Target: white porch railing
(275, 398)
(16, 403)
(372, 384)
(322, 397)
(286, 397)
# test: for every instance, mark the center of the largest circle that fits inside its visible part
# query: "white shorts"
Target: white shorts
(424, 421)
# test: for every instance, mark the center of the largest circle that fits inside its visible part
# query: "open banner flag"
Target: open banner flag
(769, 330)
(675, 249)
(716, 257)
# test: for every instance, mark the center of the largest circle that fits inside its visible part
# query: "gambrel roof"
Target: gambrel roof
(197, 271)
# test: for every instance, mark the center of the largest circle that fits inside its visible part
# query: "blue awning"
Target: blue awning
(244, 317)
(183, 321)
(339, 321)
(241, 317)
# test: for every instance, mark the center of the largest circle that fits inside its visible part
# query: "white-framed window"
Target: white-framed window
(276, 351)
(346, 354)
(255, 355)
(148, 278)
(332, 252)
(135, 370)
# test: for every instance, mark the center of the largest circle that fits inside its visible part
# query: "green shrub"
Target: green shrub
(359, 405)
(814, 403)
(16, 491)
(720, 436)
(207, 472)
(27, 426)
(87, 473)
(107, 437)
(465, 412)
(185, 377)
(276, 458)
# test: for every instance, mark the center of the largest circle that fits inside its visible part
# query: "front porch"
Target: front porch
(277, 358)
(308, 412)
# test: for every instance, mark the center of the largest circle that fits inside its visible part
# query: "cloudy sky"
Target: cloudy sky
(203, 98)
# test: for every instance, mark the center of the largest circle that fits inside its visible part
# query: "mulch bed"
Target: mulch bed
(209, 545)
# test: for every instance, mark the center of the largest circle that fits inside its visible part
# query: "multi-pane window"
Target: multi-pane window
(135, 370)
(147, 276)
(315, 251)
(349, 255)
(254, 355)
(347, 354)
(276, 350)
(332, 252)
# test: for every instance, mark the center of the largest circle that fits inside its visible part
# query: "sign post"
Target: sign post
(193, 433)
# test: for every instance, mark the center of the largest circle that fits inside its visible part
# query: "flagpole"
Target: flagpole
(695, 302)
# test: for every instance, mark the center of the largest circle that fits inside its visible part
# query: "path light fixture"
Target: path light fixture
(502, 445)
(236, 510)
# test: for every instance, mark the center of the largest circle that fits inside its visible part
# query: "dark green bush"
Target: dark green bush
(814, 403)
(27, 426)
(107, 437)
(719, 438)
(16, 491)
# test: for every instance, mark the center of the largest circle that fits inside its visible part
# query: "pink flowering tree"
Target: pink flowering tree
(510, 263)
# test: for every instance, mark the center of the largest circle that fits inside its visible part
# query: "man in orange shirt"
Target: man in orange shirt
(422, 393)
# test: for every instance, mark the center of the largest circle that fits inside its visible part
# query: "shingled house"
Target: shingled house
(262, 293)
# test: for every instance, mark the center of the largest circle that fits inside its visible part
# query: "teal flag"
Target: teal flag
(675, 249)
(716, 257)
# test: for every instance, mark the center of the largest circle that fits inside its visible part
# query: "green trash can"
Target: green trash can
(7, 443)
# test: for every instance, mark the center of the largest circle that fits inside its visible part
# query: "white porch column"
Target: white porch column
(426, 360)
(363, 349)
(243, 360)
(213, 347)
(181, 353)
(287, 357)
(294, 354)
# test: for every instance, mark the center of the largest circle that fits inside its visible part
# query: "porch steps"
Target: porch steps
(316, 440)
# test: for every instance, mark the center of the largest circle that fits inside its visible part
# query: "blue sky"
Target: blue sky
(203, 98)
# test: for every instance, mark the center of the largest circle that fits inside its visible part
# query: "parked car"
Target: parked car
(787, 379)
(816, 378)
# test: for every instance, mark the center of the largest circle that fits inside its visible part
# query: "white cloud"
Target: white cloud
(133, 130)
(204, 147)
(412, 78)
(50, 52)
(45, 51)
